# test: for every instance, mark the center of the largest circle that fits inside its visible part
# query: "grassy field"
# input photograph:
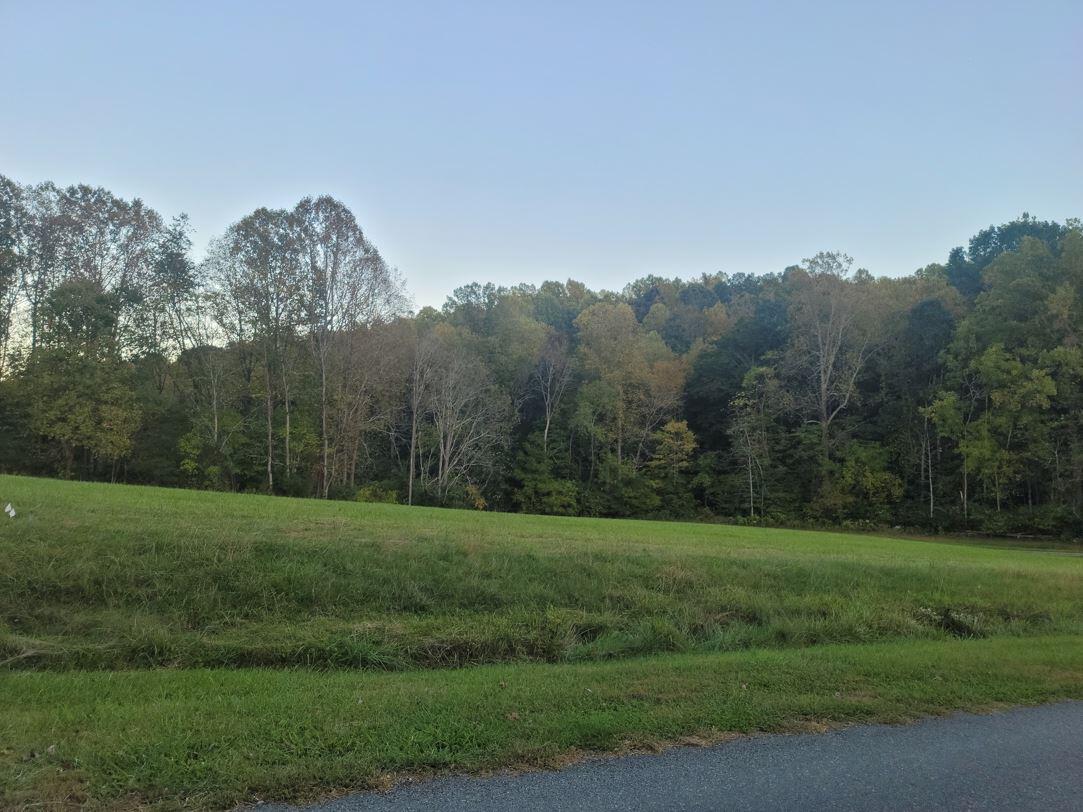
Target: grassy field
(194, 649)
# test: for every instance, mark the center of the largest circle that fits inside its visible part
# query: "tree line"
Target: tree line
(288, 361)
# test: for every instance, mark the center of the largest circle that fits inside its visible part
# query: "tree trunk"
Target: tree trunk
(751, 489)
(270, 405)
(214, 412)
(620, 428)
(931, 497)
(286, 401)
(413, 451)
(323, 427)
(966, 511)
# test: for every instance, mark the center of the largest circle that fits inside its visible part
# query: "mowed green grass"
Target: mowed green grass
(215, 738)
(188, 649)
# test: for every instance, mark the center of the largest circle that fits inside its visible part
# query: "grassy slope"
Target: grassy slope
(110, 576)
(116, 577)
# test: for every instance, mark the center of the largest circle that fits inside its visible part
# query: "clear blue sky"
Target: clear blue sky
(513, 142)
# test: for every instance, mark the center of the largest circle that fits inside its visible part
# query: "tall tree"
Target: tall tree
(551, 377)
(345, 285)
(834, 332)
(255, 269)
(469, 418)
(79, 388)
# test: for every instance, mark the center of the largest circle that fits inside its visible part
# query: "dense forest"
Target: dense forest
(287, 360)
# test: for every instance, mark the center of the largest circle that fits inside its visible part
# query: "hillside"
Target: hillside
(177, 646)
(117, 577)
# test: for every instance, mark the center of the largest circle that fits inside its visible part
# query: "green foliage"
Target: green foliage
(286, 363)
(866, 488)
(674, 445)
(80, 392)
(539, 489)
(379, 494)
(82, 403)
(672, 456)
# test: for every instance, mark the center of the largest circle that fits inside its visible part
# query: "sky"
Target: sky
(516, 142)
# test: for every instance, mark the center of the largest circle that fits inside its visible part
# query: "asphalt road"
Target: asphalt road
(1022, 759)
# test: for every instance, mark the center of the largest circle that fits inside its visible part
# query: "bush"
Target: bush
(374, 492)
